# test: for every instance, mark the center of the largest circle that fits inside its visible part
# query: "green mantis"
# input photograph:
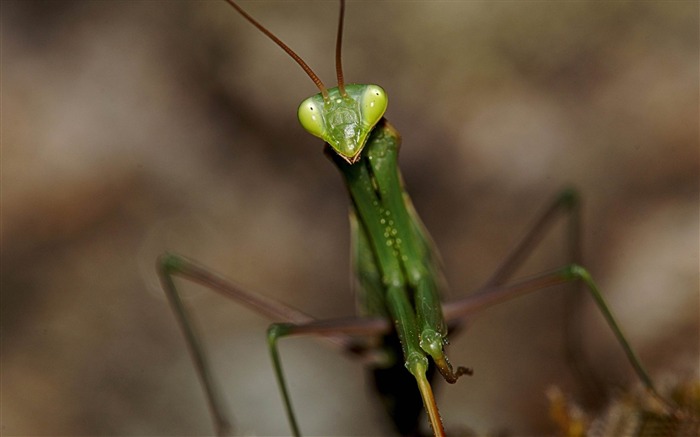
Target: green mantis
(396, 266)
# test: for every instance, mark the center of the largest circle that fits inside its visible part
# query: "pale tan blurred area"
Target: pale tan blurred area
(134, 127)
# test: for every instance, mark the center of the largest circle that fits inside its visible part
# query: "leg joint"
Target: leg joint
(576, 272)
(169, 263)
(277, 330)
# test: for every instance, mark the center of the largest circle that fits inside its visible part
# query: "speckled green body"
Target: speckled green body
(394, 260)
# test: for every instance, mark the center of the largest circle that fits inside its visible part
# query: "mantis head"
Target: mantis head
(343, 116)
(344, 121)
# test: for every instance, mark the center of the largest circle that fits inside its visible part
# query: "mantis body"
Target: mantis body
(396, 266)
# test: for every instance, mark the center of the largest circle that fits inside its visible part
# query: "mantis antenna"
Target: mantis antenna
(297, 58)
(338, 47)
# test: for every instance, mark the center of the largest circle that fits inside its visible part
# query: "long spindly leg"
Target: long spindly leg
(336, 332)
(490, 296)
(494, 291)
(330, 327)
(566, 206)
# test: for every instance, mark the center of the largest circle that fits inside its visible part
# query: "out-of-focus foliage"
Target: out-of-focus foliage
(635, 413)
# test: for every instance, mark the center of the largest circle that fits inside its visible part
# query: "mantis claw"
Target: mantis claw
(432, 343)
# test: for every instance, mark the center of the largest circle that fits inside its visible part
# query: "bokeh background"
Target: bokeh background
(134, 127)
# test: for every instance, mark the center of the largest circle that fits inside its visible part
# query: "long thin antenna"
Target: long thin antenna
(284, 47)
(338, 47)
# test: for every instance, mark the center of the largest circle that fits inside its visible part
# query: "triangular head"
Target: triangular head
(344, 121)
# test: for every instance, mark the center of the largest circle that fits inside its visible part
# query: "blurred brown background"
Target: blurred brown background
(134, 127)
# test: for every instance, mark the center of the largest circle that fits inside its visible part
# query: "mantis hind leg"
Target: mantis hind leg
(566, 205)
(330, 327)
(337, 332)
(169, 265)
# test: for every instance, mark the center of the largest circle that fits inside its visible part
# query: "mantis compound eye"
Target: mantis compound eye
(310, 115)
(374, 102)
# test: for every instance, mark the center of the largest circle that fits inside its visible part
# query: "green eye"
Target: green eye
(374, 103)
(311, 117)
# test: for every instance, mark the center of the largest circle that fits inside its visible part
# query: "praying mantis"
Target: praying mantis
(397, 268)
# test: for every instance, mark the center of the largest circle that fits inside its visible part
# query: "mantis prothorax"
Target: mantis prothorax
(396, 266)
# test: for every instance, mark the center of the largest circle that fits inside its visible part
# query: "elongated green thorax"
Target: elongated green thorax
(344, 121)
